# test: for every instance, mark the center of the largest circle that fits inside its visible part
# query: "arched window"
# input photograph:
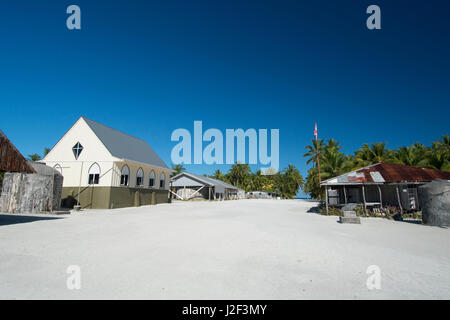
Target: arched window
(140, 177)
(162, 181)
(124, 175)
(151, 182)
(58, 168)
(94, 174)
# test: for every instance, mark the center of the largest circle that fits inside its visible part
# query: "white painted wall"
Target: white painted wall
(134, 167)
(94, 152)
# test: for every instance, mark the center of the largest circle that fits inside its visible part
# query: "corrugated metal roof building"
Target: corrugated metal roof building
(187, 186)
(106, 168)
(124, 146)
(380, 185)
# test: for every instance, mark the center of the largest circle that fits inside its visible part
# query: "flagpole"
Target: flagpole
(317, 154)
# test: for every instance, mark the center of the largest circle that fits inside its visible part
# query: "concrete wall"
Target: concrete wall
(112, 197)
(30, 193)
(129, 197)
(435, 201)
(90, 197)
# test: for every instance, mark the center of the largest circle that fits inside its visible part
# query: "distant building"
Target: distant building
(105, 168)
(187, 186)
(261, 195)
(381, 184)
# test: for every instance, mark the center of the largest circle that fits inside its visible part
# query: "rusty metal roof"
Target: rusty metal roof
(11, 159)
(389, 173)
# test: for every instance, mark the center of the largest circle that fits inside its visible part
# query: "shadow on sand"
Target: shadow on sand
(6, 219)
(313, 210)
(412, 221)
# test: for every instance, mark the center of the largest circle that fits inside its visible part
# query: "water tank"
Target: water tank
(434, 198)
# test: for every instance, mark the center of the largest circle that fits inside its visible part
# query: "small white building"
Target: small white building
(186, 186)
(261, 195)
(105, 168)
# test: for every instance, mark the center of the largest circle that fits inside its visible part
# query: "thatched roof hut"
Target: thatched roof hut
(11, 160)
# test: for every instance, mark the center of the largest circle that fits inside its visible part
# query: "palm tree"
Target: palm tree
(178, 168)
(257, 181)
(414, 155)
(238, 174)
(333, 144)
(34, 157)
(438, 156)
(46, 151)
(443, 146)
(376, 153)
(443, 143)
(289, 181)
(218, 175)
(334, 163)
(314, 151)
(311, 185)
(437, 159)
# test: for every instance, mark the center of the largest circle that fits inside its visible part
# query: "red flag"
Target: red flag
(315, 131)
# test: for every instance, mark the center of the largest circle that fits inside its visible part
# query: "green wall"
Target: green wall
(112, 197)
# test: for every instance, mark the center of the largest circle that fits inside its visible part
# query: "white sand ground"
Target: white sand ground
(246, 249)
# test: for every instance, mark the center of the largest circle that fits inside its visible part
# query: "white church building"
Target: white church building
(105, 168)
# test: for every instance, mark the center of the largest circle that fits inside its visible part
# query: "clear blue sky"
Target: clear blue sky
(150, 67)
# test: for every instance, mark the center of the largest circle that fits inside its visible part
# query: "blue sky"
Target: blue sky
(150, 67)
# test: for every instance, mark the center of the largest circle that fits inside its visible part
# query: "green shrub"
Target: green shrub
(332, 211)
(360, 211)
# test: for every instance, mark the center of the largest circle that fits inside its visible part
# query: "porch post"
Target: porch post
(326, 198)
(209, 193)
(399, 201)
(381, 197)
(112, 175)
(364, 199)
(416, 200)
(79, 185)
(345, 195)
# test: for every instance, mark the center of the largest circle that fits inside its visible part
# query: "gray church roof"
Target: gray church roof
(124, 146)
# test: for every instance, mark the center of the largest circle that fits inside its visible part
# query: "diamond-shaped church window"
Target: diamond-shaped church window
(77, 150)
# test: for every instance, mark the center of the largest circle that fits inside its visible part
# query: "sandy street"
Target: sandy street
(244, 249)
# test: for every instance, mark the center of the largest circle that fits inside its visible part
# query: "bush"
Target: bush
(360, 211)
(388, 212)
(332, 211)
